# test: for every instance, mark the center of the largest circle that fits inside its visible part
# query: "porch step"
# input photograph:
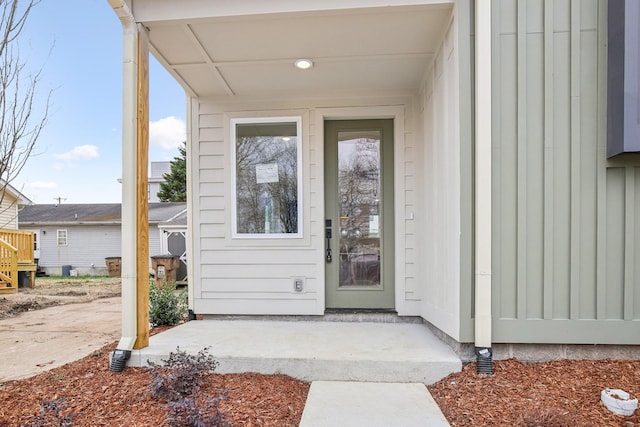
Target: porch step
(312, 350)
(331, 315)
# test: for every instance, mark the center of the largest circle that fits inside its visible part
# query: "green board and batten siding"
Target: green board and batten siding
(566, 221)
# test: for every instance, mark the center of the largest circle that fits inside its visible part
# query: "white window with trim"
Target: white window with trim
(62, 237)
(266, 158)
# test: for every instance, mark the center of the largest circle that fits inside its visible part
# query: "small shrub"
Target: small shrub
(181, 375)
(186, 413)
(178, 380)
(50, 415)
(166, 305)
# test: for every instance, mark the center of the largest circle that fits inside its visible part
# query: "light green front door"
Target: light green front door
(359, 236)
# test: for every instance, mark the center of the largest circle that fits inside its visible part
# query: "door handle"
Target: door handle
(327, 234)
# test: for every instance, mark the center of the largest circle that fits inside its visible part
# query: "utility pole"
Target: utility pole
(59, 200)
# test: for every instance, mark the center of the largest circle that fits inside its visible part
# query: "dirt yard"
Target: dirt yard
(51, 291)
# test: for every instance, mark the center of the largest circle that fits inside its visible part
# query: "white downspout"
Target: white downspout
(190, 191)
(129, 161)
(483, 185)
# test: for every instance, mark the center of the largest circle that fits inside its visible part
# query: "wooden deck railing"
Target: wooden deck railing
(8, 268)
(23, 241)
(16, 254)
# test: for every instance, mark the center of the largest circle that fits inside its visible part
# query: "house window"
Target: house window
(266, 156)
(62, 237)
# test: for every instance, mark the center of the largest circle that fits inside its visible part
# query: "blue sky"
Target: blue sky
(78, 157)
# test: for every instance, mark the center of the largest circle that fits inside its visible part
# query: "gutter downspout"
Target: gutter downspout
(129, 135)
(483, 186)
(189, 235)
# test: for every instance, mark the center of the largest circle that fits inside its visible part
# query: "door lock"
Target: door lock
(327, 234)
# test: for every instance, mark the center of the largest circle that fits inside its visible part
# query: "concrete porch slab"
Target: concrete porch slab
(332, 403)
(312, 350)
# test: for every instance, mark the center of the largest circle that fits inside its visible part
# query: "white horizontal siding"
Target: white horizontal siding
(281, 270)
(229, 269)
(86, 245)
(243, 304)
(154, 241)
(260, 256)
(255, 276)
(272, 286)
(8, 213)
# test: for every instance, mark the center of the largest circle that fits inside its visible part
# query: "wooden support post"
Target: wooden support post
(142, 221)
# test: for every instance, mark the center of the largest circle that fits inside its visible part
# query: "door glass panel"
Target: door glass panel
(359, 208)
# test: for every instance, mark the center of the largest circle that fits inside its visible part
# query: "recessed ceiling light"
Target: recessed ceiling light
(303, 64)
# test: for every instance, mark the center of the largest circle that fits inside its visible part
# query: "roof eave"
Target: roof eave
(66, 223)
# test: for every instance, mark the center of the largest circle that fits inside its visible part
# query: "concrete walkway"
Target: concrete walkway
(361, 373)
(365, 404)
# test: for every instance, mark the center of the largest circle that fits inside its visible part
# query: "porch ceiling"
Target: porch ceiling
(354, 51)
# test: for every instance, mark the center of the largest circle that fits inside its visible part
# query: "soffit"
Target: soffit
(382, 49)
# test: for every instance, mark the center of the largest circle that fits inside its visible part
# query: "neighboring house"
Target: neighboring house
(441, 159)
(19, 244)
(81, 236)
(10, 204)
(158, 169)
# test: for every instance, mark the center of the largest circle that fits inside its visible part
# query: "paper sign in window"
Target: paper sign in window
(267, 173)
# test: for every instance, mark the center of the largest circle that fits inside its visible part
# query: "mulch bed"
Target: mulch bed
(552, 394)
(94, 396)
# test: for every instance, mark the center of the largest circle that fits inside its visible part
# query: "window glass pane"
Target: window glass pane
(266, 178)
(62, 237)
(359, 199)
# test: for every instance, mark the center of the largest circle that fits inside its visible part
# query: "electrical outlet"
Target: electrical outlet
(298, 284)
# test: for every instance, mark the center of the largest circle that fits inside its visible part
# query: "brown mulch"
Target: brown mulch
(551, 394)
(94, 396)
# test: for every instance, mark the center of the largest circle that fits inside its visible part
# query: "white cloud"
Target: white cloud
(81, 152)
(167, 133)
(42, 184)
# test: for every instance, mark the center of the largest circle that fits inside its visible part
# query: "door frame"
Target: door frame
(381, 297)
(397, 113)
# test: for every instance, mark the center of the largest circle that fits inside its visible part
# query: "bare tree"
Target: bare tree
(21, 118)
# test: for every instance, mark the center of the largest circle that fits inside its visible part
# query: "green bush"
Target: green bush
(167, 306)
